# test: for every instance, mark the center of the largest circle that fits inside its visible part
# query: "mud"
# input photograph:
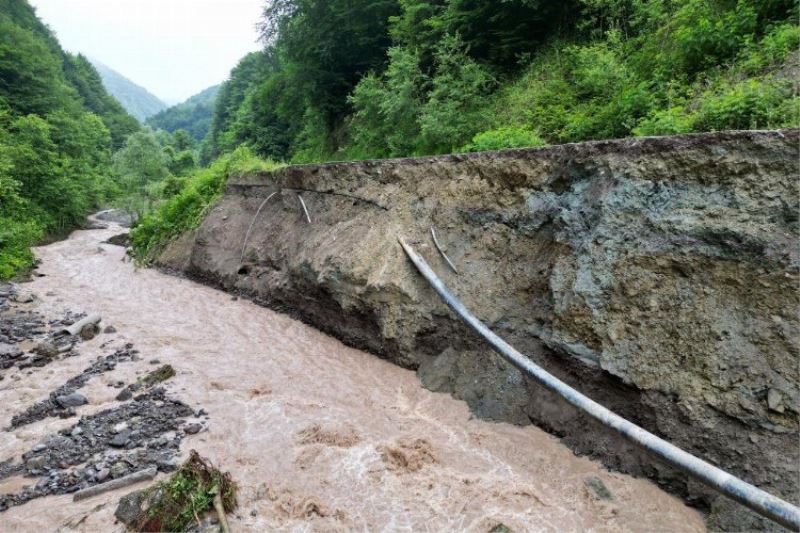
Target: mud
(658, 275)
(317, 435)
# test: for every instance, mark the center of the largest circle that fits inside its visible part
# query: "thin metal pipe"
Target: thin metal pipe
(439, 247)
(252, 222)
(756, 499)
(304, 208)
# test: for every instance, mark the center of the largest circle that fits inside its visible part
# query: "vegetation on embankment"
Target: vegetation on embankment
(343, 80)
(186, 209)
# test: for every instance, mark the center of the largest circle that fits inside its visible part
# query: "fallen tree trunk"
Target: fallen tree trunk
(131, 479)
(76, 328)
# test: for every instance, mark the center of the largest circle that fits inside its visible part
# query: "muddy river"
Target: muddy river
(319, 436)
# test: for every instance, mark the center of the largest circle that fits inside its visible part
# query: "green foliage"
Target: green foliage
(502, 138)
(454, 110)
(333, 83)
(83, 76)
(57, 128)
(139, 169)
(175, 503)
(186, 209)
(386, 108)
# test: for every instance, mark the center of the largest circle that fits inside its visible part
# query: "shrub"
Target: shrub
(186, 209)
(501, 138)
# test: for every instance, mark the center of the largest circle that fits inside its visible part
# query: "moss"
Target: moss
(163, 373)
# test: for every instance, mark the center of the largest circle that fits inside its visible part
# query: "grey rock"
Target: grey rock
(36, 463)
(775, 401)
(89, 331)
(129, 509)
(191, 429)
(9, 351)
(109, 329)
(124, 395)
(121, 439)
(46, 349)
(102, 475)
(71, 400)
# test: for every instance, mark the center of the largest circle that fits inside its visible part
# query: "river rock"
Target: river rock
(124, 395)
(89, 331)
(121, 439)
(129, 509)
(191, 429)
(71, 400)
(46, 349)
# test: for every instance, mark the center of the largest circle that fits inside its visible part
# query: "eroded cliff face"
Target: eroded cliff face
(659, 276)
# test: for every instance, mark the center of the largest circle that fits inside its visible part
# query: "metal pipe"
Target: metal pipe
(756, 499)
(252, 222)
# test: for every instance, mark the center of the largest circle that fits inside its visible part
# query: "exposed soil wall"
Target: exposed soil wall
(656, 275)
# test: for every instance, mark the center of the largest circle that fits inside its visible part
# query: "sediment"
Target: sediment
(656, 275)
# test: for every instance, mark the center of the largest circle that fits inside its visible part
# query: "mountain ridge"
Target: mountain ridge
(137, 100)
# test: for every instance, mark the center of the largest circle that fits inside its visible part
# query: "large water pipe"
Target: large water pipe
(748, 495)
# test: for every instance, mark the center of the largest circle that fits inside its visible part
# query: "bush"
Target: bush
(186, 209)
(501, 138)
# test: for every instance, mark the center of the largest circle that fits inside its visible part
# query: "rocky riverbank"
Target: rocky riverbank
(138, 432)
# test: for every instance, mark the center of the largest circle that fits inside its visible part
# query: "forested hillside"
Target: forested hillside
(193, 115)
(137, 100)
(58, 127)
(356, 79)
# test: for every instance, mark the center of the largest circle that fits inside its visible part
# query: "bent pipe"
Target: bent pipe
(756, 499)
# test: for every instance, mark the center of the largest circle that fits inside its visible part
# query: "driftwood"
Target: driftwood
(220, 508)
(438, 247)
(76, 328)
(131, 479)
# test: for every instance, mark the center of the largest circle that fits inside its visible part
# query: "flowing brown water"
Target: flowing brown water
(319, 436)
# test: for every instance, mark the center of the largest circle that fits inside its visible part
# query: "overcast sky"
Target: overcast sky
(173, 48)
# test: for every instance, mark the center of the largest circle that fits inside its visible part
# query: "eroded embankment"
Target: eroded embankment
(318, 436)
(656, 275)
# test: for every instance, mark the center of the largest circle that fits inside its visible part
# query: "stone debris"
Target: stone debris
(143, 434)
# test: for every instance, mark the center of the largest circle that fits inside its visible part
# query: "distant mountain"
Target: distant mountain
(135, 99)
(193, 115)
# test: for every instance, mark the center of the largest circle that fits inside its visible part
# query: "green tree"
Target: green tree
(139, 167)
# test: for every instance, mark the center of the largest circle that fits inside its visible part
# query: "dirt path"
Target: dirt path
(319, 436)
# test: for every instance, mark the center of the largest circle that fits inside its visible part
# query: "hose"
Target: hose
(748, 495)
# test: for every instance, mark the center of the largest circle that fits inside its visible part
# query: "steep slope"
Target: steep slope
(136, 99)
(656, 275)
(193, 115)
